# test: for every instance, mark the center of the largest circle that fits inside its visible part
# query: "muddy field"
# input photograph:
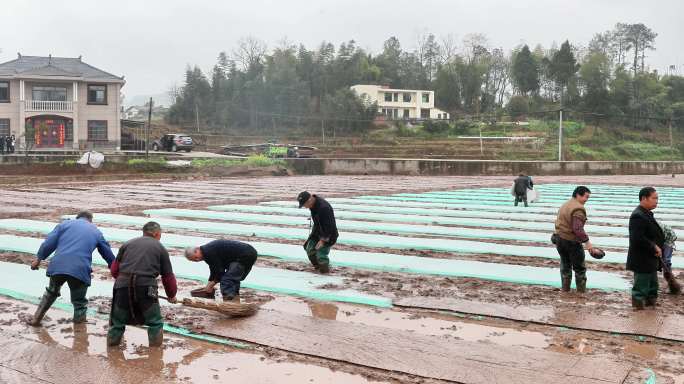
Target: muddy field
(438, 327)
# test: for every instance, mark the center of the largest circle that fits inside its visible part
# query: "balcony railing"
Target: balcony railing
(49, 106)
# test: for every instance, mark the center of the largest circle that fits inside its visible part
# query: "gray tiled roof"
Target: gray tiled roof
(53, 66)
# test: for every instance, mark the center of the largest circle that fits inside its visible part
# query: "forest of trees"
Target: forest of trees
(272, 90)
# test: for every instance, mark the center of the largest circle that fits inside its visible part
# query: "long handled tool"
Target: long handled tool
(226, 308)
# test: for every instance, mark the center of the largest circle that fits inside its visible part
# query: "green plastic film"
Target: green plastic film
(431, 230)
(19, 282)
(265, 279)
(437, 215)
(377, 261)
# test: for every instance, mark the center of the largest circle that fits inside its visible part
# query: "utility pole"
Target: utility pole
(323, 130)
(197, 116)
(560, 136)
(481, 144)
(671, 148)
(147, 131)
(560, 128)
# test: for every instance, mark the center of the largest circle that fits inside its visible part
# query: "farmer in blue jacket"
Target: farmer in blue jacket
(73, 242)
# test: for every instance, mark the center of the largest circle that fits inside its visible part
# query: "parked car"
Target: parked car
(131, 143)
(173, 142)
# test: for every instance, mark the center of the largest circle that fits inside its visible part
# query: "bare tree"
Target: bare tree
(475, 45)
(448, 48)
(250, 52)
(428, 52)
(173, 92)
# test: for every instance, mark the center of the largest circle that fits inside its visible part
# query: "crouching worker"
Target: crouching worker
(229, 263)
(135, 300)
(73, 242)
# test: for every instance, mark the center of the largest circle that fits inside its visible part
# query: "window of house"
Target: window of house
(395, 113)
(407, 97)
(426, 97)
(406, 113)
(48, 93)
(97, 130)
(4, 127)
(4, 92)
(69, 131)
(425, 113)
(97, 94)
(396, 96)
(388, 96)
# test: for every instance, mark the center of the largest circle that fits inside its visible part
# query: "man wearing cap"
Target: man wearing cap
(229, 263)
(324, 232)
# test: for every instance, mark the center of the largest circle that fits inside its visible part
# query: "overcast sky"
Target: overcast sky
(150, 42)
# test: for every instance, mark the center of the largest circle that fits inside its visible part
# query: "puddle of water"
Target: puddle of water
(643, 350)
(439, 325)
(251, 368)
(185, 359)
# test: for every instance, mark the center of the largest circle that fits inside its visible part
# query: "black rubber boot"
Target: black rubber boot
(113, 341)
(565, 284)
(581, 283)
(231, 298)
(313, 258)
(672, 283)
(156, 340)
(45, 303)
(637, 304)
(651, 301)
(324, 268)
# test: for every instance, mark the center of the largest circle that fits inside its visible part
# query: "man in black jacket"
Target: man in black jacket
(324, 232)
(229, 263)
(646, 241)
(520, 186)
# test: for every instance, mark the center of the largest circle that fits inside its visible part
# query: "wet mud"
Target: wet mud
(276, 338)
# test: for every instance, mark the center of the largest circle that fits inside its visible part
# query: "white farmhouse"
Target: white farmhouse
(401, 103)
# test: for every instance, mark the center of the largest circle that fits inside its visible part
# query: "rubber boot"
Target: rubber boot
(565, 284)
(324, 268)
(45, 303)
(651, 301)
(581, 284)
(156, 340)
(113, 341)
(232, 298)
(637, 304)
(672, 283)
(313, 258)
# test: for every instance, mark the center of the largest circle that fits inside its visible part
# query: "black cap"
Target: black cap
(303, 197)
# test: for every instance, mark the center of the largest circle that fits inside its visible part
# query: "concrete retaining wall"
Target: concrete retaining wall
(479, 167)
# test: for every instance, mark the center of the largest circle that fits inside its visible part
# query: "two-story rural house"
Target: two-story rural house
(59, 102)
(401, 103)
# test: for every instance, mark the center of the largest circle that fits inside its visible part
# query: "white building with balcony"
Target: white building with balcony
(59, 103)
(401, 103)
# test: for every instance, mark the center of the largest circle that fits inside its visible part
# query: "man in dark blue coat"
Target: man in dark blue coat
(73, 242)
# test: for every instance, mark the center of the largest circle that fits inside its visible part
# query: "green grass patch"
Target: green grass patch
(251, 161)
(145, 162)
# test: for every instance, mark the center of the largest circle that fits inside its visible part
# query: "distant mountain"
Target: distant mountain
(160, 99)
